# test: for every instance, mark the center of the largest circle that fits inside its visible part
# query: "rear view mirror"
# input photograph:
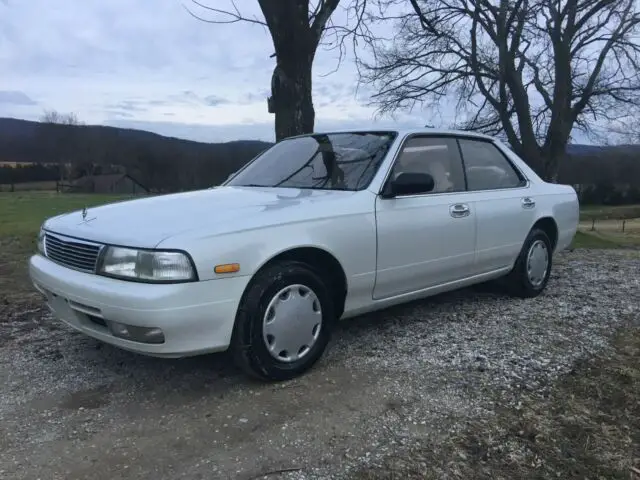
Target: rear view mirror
(409, 183)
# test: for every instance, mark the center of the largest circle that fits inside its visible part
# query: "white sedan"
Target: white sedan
(317, 228)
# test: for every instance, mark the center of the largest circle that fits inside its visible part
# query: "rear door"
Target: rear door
(504, 205)
(428, 239)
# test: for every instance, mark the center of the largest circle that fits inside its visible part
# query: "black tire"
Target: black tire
(249, 350)
(517, 282)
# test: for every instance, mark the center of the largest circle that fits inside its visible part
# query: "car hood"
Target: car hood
(148, 221)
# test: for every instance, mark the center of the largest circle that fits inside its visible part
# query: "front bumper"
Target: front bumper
(195, 318)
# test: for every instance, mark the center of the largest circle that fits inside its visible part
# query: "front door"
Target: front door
(428, 239)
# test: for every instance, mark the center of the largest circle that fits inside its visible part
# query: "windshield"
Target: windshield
(334, 161)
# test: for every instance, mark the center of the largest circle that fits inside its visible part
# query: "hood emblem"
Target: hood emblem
(84, 217)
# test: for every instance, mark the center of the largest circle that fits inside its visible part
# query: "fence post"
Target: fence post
(623, 224)
(593, 224)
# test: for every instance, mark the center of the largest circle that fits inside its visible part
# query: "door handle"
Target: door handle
(459, 210)
(528, 202)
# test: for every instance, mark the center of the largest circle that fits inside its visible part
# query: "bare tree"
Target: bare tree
(626, 130)
(531, 70)
(55, 117)
(58, 131)
(297, 28)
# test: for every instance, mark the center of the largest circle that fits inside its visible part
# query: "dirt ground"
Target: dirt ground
(443, 388)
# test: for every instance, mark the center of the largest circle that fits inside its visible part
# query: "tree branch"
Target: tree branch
(538, 67)
(235, 15)
(327, 7)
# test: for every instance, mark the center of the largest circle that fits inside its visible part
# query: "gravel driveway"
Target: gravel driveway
(73, 408)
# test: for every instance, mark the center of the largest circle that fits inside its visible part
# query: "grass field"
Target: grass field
(21, 215)
(49, 186)
(601, 212)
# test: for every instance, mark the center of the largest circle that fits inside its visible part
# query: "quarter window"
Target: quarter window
(487, 168)
(438, 157)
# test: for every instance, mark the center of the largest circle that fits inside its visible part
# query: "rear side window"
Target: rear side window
(487, 168)
(436, 156)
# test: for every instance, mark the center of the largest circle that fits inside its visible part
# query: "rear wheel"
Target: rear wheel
(284, 322)
(531, 272)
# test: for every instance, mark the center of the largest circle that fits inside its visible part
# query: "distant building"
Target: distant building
(6, 163)
(114, 183)
(16, 164)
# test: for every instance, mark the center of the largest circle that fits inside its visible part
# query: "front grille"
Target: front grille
(72, 253)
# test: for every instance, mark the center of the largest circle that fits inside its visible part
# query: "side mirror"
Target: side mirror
(409, 183)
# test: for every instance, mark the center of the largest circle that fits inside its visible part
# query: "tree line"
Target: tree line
(64, 152)
(605, 175)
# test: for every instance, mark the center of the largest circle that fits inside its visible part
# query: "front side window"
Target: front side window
(335, 161)
(437, 156)
(486, 167)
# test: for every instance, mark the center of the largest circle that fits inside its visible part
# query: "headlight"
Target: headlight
(40, 242)
(147, 265)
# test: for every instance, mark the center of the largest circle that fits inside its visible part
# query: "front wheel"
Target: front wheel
(532, 269)
(284, 322)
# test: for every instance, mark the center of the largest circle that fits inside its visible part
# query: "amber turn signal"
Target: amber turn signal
(227, 268)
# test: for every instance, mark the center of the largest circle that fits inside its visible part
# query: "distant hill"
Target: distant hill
(164, 163)
(586, 150)
(13, 132)
(605, 170)
(168, 163)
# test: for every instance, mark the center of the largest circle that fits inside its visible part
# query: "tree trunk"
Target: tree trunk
(553, 157)
(559, 130)
(295, 42)
(534, 158)
(294, 110)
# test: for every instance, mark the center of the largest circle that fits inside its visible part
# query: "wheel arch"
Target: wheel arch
(322, 261)
(549, 226)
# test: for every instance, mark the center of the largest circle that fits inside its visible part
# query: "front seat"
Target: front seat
(440, 177)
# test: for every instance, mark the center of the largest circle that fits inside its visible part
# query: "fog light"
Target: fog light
(119, 329)
(136, 334)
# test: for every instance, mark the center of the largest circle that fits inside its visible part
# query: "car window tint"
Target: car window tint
(438, 157)
(486, 167)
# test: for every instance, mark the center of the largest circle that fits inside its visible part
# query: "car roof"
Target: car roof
(402, 132)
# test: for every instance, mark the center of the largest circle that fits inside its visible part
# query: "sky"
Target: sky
(148, 64)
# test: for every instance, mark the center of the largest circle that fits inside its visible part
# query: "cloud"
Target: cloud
(143, 63)
(214, 101)
(128, 105)
(123, 61)
(119, 114)
(14, 97)
(256, 97)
